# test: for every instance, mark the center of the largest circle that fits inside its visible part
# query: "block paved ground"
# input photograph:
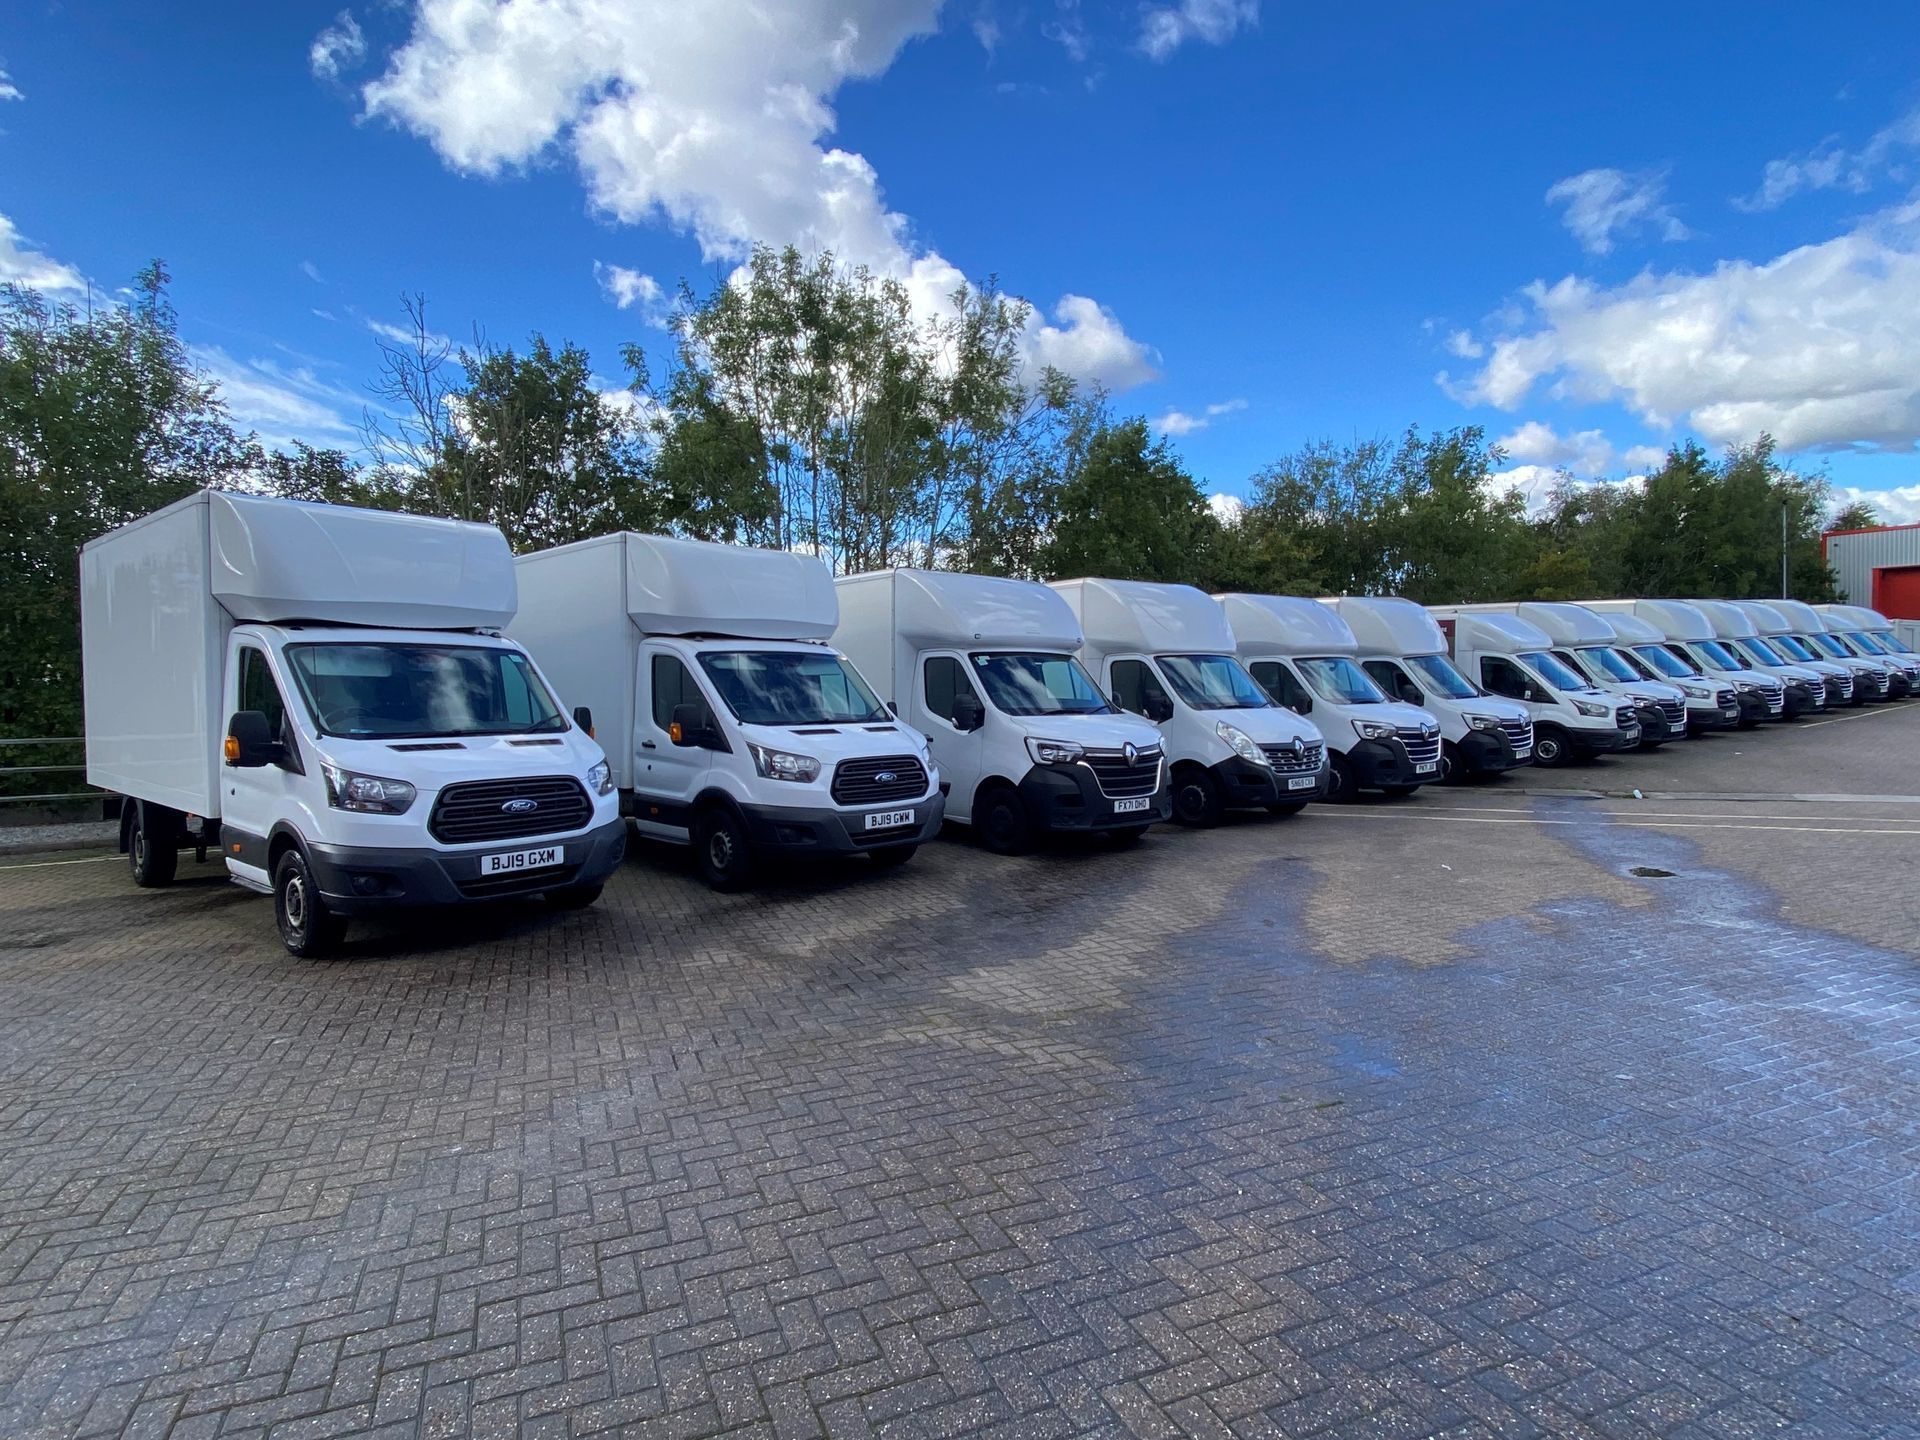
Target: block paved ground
(1413, 1118)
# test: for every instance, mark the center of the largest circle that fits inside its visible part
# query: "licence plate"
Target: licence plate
(1129, 807)
(1426, 767)
(514, 861)
(1302, 782)
(889, 819)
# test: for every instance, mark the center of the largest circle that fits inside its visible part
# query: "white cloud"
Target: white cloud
(1819, 347)
(986, 30)
(405, 336)
(711, 119)
(312, 272)
(1535, 484)
(9, 90)
(1165, 28)
(282, 403)
(1462, 343)
(1227, 509)
(631, 290)
(341, 46)
(1536, 443)
(1897, 506)
(1604, 204)
(22, 265)
(1069, 31)
(1180, 422)
(1829, 167)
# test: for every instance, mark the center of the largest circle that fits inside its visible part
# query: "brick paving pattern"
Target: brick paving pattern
(1144, 1143)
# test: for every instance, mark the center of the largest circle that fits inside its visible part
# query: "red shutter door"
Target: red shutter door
(1896, 592)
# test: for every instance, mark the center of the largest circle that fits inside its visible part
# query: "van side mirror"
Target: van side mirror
(1527, 692)
(968, 712)
(1305, 707)
(583, 717)
(893, 708)
(690, 729)
(1159, 708)
(250, 743)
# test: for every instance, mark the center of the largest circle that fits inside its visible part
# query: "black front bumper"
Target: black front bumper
(1381, 764)
(1247, 786)
(1800, 701)
(823, 830)
(357, 879)
(1654, 729)
(1605, 742)
(1701, 721)
(1068, 797)
(1488, 752)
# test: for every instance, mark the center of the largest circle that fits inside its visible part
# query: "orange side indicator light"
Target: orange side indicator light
(674, 732)
(232, 748)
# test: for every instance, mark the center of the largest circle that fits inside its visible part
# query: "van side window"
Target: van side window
(1277, 680)
(946, 679)
(1503, 677)
(672, 686)
(1395, 681)
(1135, 685)
(258, 692)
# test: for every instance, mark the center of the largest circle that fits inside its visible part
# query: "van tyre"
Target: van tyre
(1551, 747)
(307, 927)
(574, 897)
(1342, 785)
(1196, 796)
(153, 845)
(725, 854)
(892, 857)
(1001, 821)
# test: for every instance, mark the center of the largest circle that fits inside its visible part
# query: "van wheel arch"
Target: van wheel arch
(1004, 834)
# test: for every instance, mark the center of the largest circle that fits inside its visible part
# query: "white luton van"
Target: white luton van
(985, 667)
(1849, 678)
(1865, 631)
(1402, 649)
(732, 723)
(1807, 689)
(1572, 718)
(1583, 642)
(1304, 655)
(1165, 652)
(1690, 639)
(1711, 704)
(322, 694)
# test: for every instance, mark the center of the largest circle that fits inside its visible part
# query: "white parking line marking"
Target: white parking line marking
(1661, 814)
(42, 864)
(1863, 715)
(1645, 824)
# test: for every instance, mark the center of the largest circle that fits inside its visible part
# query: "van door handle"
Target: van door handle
(648, 745)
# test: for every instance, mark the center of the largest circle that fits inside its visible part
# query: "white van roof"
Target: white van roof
(1766, 619)
(1852, 617)
(1629, 629)
(276, 561)
(1730, 622)
(1138, 617)
(1286, 625)
(1801, 617)
(1674, 619)
(1566, 624)
(939, 608)
(1491, 630)
(1389, 625)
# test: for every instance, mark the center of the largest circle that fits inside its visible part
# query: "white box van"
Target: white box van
(733, 725)
(985, 667)
(1402, 649)
(1691, 640)
(1165, 652)
(1572, 719)
(1303, 654)
(1712, 704)
(1849, 678)
(323, 694)
(1583, 642)
(1736, 632)
(1855, 632)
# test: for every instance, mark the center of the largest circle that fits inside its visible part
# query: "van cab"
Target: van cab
(1806, 686)
(1572, 718)
(986, 668)
(1403, 651)
(1867, 632)
(1305, 656)
(1711, 704)
(1690, 638)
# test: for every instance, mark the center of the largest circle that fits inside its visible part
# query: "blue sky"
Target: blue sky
(1592, 231)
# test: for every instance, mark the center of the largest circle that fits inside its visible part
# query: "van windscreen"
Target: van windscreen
(790, 687)
(397, 691)
(1040, 684)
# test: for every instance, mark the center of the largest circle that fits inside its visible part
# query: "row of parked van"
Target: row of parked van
(394, 732)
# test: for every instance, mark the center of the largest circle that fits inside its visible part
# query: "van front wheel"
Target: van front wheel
(725, 854)
(153, 845)
(1551, 748)
(1001, 821)
(1196, 796)
(307, 927)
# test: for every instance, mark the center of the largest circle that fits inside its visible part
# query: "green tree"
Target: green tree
(1855, 515)
(102, 420)
(1129, 511)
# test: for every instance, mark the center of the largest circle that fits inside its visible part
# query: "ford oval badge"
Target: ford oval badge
(522, 806)
(885, 777)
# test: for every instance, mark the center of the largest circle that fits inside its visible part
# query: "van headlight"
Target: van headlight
(1746, 688)
(1481, 722)
(368, 794)
(1696, 692)
(783, 764)
(1241, 743)
(1054, 752)
(600, 779)
(1372, 730)
(1591, 708)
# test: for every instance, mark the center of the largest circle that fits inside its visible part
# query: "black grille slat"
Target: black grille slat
(1420, 748)
(471, 812)
(521, 883)
(1288, 761)
(1121, 779)
(854, 781)
(1625, 716)
(1675, 712)
(1519, 733)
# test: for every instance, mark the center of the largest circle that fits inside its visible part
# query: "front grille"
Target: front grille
(1120, 778)
(1775, 695)
(1519, 733)
(474, 811)
(1725, 699)
(1675, 712)
(1420, 747)
(1624, 716)
(1839, 687)
(874, 780)
(1289, 761)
